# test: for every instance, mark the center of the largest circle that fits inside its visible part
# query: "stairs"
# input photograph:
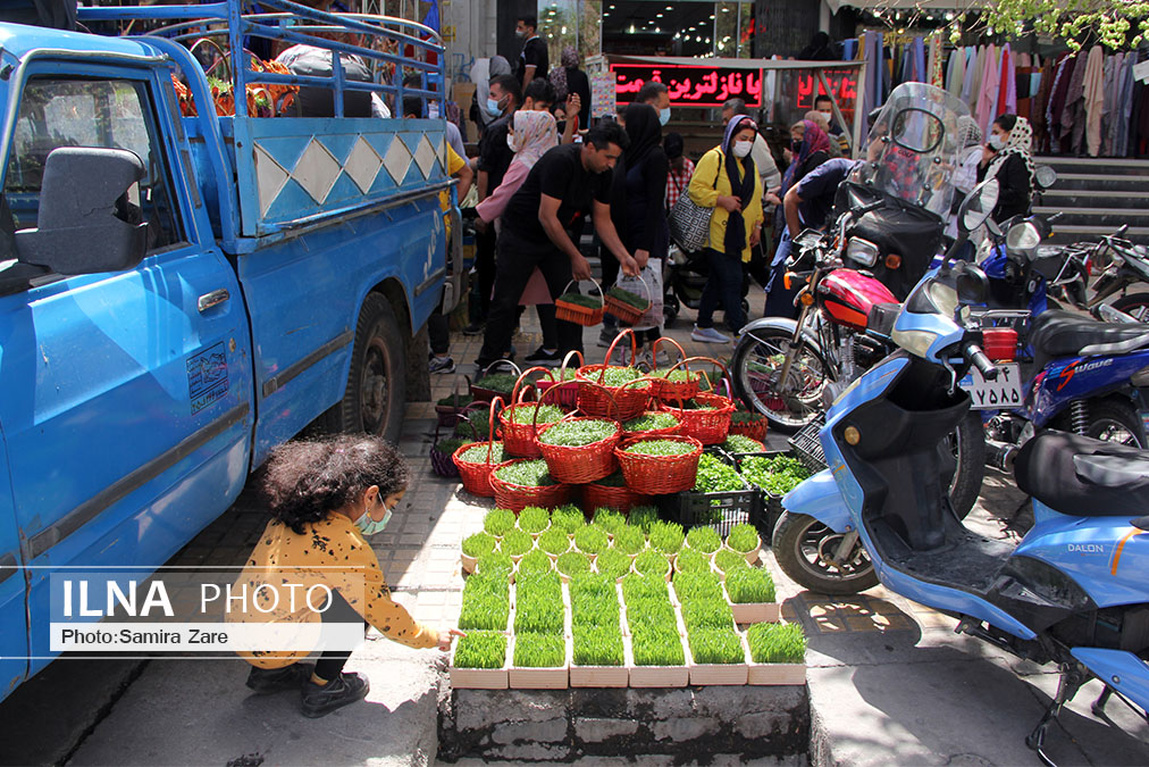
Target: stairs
(1095, 195)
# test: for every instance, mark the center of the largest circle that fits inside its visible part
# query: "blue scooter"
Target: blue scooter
(1073, 592)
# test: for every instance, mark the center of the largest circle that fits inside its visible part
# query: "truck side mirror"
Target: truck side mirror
(86, 224)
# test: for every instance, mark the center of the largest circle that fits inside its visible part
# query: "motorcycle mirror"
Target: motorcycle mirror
(978, 205)
(1045, 176)
(972, 285)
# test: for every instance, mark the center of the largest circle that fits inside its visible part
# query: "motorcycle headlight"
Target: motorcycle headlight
(916, 342)
(862, 251)
(1023, 237)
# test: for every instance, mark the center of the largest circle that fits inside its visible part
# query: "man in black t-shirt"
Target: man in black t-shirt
(540, 226)
(533, 61)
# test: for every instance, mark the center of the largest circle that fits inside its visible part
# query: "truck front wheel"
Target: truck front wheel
(376, 388)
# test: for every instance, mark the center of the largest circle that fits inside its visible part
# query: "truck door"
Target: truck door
(13, 612)
(127, 396)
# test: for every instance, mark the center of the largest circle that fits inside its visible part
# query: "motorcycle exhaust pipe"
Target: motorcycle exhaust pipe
(1000, 455)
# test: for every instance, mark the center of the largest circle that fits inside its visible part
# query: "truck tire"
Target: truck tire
(376, 392)
(801, 544)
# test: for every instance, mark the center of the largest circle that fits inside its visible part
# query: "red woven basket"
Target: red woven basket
(565, 393)
(488, 395)
(710, 426)
(627, 314)
(518, 497)
(659, 474)
(476, 476)
(582, 464)
(755, 429)
(652, 432)
(609, 497)
(618, 403)
(577, 313)
(667, 390)
(521, 439)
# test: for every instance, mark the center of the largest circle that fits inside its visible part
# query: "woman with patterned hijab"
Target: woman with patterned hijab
(1007, 158)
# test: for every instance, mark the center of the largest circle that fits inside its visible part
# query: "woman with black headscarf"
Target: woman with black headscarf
(725, 179)
(638, 208)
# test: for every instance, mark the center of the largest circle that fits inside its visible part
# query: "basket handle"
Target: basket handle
(601, 295)
(491, 426)
(502, 362)
(654, 348)
(710, 384)
(519, 390)
(563, 368)
(624, 333)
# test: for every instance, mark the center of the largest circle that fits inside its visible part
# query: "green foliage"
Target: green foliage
(612, 563)
(628, 298)
(609, 520)
(591, 539)
(654, 646)
(715, 645)
(450, 445)
(642, 517)
(534, 562)
(778, 475)
(744, 416)
(691, 561)
(1110, 22)
(478, 544)
(486, 604)
(707, 613)
(776, 643)
(534, 520)
(568, 519)
(539, 650)
(704, 539)
(476, 426)
(576, 433)
(679, 375)
(652, 563)
(636, 588)
(573, 563)
(597, 586)
(726, 560)
(478, 454)
(498, 521)
(515, 543)
(666, 537)
(481, 649)
(660, 447)
(593, 607)
(617, 376)
(494, 564)
(560, 374)
(743, 538)
(751, 584)
(525, 414)
(526, 473)
(597, 645)
(693, 587)
(739, 443)
(714, 476)
(629, 540)
(539, 604)
(554, 541)
(651, 422)
(588, 300)
(458, 399)
(503, 383)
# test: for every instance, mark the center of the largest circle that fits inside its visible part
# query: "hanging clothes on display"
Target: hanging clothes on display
(1093, 100)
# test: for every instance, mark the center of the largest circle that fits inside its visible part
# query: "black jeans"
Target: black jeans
(439, 332)
(517, 258)
(331, 662)
(485, 267)
(724, 284)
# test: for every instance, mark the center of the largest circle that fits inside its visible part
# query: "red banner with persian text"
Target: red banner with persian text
(700, 86)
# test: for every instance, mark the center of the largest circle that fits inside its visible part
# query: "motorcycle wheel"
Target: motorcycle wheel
(1134, 304)
(804, 549)
(756, 366)
(1114, 421)
(968, 443)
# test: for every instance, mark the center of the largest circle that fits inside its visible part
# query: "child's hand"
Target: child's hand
(446, 638)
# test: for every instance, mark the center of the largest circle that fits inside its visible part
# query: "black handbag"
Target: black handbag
(690, 222)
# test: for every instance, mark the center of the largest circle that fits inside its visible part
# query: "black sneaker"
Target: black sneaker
(322, 700)
(541, 356)
(265, 681)
(474, 329)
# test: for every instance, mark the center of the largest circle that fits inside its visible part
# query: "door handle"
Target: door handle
(214, 298)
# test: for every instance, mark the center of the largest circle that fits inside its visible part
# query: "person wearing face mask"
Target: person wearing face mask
(725, 179)
(533, 60)
(569, 80)
(1007, 158)
(326, 497)
(656, 95)
(823, 104)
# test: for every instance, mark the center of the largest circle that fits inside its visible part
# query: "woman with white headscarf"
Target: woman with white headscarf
(1007, 158)
(964, 178)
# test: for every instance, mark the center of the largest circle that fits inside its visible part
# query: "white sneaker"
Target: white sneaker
(708, 336)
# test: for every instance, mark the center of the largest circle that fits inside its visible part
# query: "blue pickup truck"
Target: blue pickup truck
(181, 293)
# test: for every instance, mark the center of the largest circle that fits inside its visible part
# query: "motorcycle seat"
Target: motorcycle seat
(1084, 477)
(1062, 334)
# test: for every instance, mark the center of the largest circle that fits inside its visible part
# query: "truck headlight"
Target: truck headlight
(862, 251)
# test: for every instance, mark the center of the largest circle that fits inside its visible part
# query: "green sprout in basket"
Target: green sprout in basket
(486, 604)
(498, 521)
(749, 585)
(539, 651)
(560, 374)
(651, 422)
(526, 473)
(617, 376)
(539, 605)
(724, 559)
(478, 453)
(660, 447)
(704, 539)
(776, 643)
(495, 563)
(609, 520)
(481, 649)
(666, 537)
(743, 538)
(478, 544)
(741, 417)
(567, 519)
(503, 383)
(534, 562)
(456, 400)
(515, 543)
(612, 563)
(598, 586)
(652, 563)
(654, 647)
(587, 300)
(694, 587)
(628, 298)
(450, 445)
(597, 645)
(707, 613)
(636, 587)
(554, 542)
(629, 540)
(533, 520)
(572, 563)
(716, 477)
(675, 375)
(526, 415)
(642, 517)
(739, 443)
(579, 432)
(715, 645)
(591, 539)
(476, 426)
(691, 561)
(777, 476)
(598, 611)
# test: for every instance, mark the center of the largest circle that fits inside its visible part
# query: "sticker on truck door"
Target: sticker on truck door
(207, 377)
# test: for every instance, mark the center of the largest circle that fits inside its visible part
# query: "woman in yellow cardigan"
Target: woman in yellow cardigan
(325, 497)
(725, 179)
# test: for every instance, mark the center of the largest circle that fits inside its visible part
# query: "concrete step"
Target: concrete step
(1073, 198)
(1101, 181)
(1092, 213)
(1075, 232)
(1111, 165)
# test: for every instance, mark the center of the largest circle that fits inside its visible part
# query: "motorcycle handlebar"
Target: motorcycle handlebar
(977, 358)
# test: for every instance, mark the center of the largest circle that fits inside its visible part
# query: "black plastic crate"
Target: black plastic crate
(807, 446)
(721, 511)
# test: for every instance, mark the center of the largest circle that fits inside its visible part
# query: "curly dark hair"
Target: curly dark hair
(305, 480)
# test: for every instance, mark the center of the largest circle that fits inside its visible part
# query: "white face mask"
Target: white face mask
(742, 148)
(996, 141)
